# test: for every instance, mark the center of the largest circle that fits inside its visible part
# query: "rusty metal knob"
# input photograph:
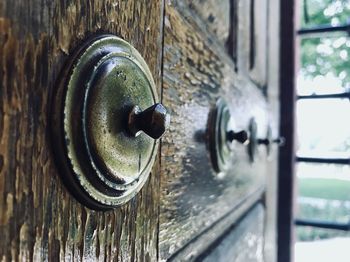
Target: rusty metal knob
(153, 121)
(241, 136)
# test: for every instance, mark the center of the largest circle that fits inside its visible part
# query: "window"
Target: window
(323, 131)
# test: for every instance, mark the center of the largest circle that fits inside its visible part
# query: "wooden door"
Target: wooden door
(215, 50)
(198, 52)
(40, 220)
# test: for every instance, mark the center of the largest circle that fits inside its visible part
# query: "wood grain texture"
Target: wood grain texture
(184, 197)
(214, 15)
(197, 71)
(244, 37)
(39, 219)
(259, 37)
(252, 51)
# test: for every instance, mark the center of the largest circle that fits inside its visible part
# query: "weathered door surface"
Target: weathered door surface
(198, 51)
(214, 50)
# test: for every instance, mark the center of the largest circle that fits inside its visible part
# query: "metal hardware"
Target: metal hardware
(268, 141)
(322, 224)
(254, 141)
(324, 29)
(241, 136)
(153, 121)
(97, 121)
(338, 161)
(328, 96)
(221, 135)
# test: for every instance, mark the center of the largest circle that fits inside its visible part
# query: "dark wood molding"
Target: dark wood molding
(286, 181)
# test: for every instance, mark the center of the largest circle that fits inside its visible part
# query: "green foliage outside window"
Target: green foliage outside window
(326, 55)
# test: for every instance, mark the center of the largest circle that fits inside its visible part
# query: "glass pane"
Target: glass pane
(323, 129)
(323, 192)
(324, 65)
(312, 233)
(322, 245)
(316, 12)
(325, 171)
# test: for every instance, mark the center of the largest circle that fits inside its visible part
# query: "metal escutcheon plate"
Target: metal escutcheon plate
(101, 163)
(253, 140)
(219, 122)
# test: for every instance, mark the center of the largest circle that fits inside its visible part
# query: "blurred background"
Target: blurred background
(323, 132)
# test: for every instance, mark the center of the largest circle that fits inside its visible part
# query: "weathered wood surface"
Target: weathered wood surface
(249, 39)
(197, 71)
(198, 247)
(258, 43)
(39, 219)
(244, 37)
(243, 243)
(241, 26)
(214, 15)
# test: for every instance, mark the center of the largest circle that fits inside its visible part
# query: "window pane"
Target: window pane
(323, 192)
(325, 171)
(327, 245)
(312, 233)
(316, 12)
(324, 65)
(323, 128)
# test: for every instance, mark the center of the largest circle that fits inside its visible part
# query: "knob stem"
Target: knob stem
(265, 141)
(241, 136)
(153, 121)
(279, 141)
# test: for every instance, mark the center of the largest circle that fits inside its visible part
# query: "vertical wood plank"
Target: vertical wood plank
(39, 219)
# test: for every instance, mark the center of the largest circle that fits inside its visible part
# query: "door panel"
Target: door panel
(198, 52)
(39, 219)
(252, 40)
(243, 242)
(197, 72)
(213, 15)
(258, 42)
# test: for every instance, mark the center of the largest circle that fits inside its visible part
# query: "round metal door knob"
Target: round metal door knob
(268, 141)
(104, 144)
(254, 141)
(221, 135)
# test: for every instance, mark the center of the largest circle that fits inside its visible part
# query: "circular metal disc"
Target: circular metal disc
(101, 162)
(253, 140)
(218, 125)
